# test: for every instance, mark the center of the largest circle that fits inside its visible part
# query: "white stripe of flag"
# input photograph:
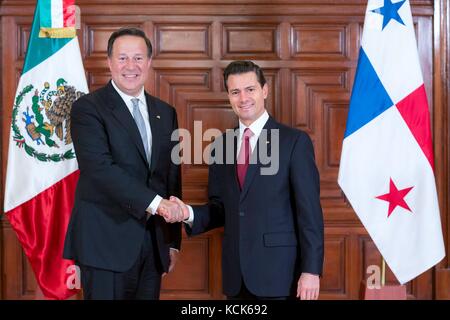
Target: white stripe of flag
(57, 14)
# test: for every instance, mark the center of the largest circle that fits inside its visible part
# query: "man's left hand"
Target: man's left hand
(308, 286)
(173, 260)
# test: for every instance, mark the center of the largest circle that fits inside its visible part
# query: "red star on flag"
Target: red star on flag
(395, 197)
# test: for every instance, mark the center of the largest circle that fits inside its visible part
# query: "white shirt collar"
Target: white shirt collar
(256, 126)
(127, 98)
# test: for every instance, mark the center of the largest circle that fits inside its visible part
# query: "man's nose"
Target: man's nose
(130, 63)
(243, 96)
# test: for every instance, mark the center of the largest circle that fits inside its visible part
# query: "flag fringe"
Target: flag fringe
(68, 32)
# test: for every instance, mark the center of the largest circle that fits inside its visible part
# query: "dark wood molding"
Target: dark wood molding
(442, 141)
(223, 7)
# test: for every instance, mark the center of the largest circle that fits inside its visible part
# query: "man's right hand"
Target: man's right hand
(170, 211)
(174, 210)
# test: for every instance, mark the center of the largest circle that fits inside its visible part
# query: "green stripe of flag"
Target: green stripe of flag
(45, 7)
(39, 49)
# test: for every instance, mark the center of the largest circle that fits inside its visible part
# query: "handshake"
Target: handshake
(173, 210)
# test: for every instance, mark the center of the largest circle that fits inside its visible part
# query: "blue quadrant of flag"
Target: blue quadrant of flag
(369, 97)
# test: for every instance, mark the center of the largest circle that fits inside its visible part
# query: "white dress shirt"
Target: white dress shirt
(256, 127)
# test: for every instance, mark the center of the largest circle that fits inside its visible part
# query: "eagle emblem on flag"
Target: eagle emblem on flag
(41, 121)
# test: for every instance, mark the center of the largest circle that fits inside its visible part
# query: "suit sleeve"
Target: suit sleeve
(95, 161)
(304, 179)
(174, 188)
(212, 214)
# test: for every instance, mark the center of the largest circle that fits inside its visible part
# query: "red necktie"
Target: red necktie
(244, 156)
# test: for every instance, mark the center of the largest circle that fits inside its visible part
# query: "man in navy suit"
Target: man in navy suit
(273, 224)
(122, 139)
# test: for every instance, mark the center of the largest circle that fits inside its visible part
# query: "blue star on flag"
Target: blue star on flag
(390, 11)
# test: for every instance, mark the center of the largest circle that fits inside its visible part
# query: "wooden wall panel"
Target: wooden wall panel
(334, 282)
(250, 41)
(319, 41)
(197, 282)
(96, 38)
(189, 41)
(308, 85)
(19, 282)
(97, 78)
(308, 50)
(169, 81)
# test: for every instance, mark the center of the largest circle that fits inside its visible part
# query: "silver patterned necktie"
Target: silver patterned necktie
(141, 125)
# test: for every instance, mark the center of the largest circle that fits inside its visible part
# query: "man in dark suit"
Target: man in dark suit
(122, 139)
(272, 218)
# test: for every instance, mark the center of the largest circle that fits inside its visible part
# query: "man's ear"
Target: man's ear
(109, 63)
(265, 89)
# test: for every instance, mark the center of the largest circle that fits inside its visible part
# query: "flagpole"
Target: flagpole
(383, 272)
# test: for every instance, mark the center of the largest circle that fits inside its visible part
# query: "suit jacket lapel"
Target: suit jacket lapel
(155, 125)
(124, 117)
(255, 163)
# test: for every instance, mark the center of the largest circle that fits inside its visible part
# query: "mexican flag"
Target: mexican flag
(42, 170)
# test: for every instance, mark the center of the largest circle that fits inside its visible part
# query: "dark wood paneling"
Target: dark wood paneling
(97, 78)
(178, 41)
(441, 135)
(334, 276)
(97, 39)
(315, 41)
(308, 50)
(250, 41)
(170, 81)
(18, 277)
(308, 85)
(197, 281)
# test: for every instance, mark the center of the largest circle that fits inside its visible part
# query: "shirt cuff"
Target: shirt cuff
(190, 221)
(153, 207)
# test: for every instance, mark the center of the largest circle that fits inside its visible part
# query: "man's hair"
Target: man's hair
(238, 67)
(129, 31)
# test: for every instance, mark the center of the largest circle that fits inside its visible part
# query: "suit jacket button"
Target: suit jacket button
(241, 214)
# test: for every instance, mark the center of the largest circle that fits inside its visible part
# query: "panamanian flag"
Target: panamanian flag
(387, 167)
(42, 169)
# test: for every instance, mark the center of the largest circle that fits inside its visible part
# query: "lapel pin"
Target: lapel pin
(267, 142)
(159, 117)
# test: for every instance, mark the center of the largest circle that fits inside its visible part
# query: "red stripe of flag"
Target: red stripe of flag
(69, 13)
(414, 110)
(41, 224)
